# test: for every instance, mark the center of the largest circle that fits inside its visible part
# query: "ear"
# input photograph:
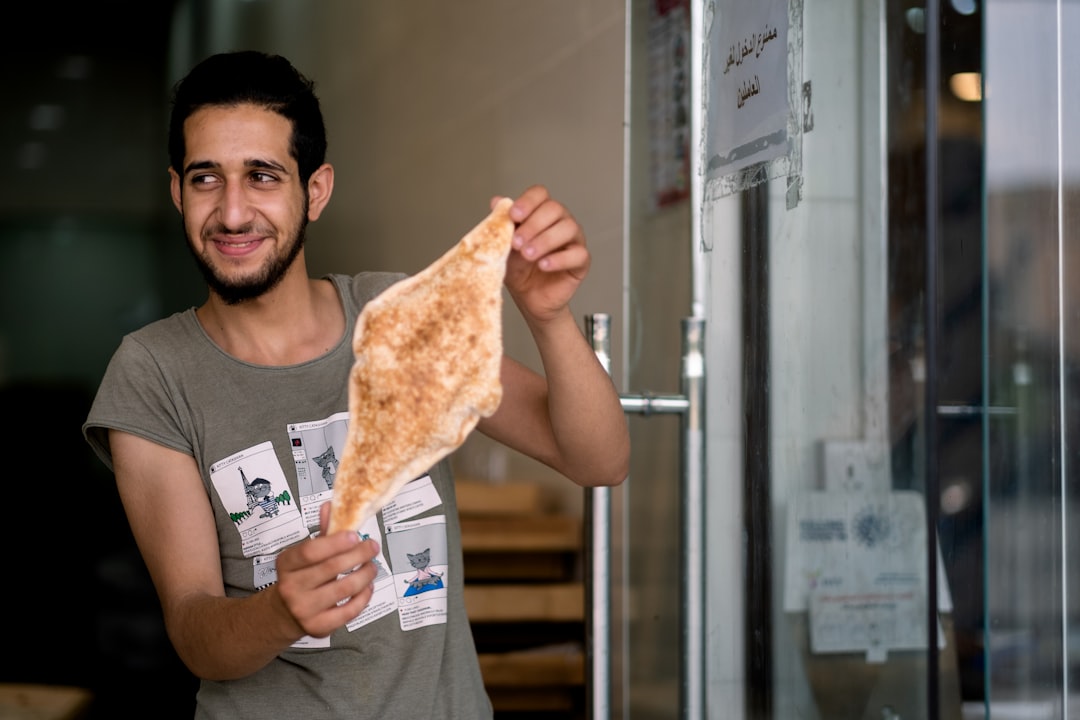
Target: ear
(174, 190)
(320, 187)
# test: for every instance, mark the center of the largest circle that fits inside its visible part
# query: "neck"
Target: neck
(299, 320)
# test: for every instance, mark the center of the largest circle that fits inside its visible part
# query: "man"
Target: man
(206, 419)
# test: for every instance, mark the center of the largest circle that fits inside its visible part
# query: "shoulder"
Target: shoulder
(165, 337)
(365, 286)
(136, 393)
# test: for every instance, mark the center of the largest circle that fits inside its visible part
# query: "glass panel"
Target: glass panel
(821, 359)
(846, 306)
(658, 221)
(937, 451)
(1033, 196)
(1069, 70)
(824, 356)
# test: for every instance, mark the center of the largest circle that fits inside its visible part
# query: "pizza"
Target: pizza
(428, 352)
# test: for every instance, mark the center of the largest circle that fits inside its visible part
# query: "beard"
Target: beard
(234, 292)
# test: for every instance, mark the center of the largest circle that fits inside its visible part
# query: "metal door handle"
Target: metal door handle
(690, 406)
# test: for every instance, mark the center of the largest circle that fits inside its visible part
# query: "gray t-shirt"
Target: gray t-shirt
(267, 440)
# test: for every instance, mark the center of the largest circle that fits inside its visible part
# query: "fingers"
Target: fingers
(341, 600)
(326, 581)
(324, 516)
(544, 229)
(337, 602)
(324, 548)
(527, 203)
(572, 258)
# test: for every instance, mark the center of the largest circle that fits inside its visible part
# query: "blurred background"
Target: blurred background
(814, 280)
(431, 110)
(88, 252)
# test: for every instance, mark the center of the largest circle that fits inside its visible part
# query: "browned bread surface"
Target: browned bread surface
(428, 354)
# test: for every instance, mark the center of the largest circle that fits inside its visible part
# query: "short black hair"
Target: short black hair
(251, 77)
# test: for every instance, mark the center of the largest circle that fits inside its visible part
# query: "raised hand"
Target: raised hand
(549, 259)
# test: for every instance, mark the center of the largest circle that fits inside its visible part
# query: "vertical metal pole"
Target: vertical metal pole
(930, 389)
(692, 511)
(757, 468)
(598, 559)
(690, 405)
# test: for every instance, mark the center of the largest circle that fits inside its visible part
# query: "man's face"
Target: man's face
(243, 204)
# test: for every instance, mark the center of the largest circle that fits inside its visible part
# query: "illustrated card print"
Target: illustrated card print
(265, 569)
(383, 599)
(415, 498)
(317, 447)
(253, 489)
(419, 558)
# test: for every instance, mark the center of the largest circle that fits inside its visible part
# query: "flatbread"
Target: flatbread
(428, 353)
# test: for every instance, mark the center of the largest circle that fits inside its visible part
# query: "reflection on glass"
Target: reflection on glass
(1032, 190)
(873, 524)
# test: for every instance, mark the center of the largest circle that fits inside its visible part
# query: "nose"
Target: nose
(236, 209)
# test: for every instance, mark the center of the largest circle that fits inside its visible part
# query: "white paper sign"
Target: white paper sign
(873, 621)
(748, 85)
(856, 562)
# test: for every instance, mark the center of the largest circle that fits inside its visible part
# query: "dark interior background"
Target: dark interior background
(89, 249)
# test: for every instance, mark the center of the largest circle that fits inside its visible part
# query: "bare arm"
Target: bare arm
(222, 638)
(565, 421)
(570, 418)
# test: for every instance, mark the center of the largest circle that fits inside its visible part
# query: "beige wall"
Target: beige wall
(432, 108)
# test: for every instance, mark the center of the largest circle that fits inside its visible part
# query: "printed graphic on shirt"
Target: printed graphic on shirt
(317, 447)
(419, 557)
(253, 489)
(265, 567)
(415, 498)
(265, 571)
(382, 601)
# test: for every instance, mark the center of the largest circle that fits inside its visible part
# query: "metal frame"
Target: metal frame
(690, 406)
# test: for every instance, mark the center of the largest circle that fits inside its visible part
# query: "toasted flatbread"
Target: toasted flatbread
(428, 353)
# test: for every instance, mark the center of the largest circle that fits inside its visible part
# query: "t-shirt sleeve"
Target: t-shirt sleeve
(368, 285)
(135, 397)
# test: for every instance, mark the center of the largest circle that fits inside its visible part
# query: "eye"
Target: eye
(261, 178)
(203, 179)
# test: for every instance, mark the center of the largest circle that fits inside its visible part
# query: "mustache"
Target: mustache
(246, 229)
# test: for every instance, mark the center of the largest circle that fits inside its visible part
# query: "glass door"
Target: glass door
(882, 255)
(1032, 159)
(646, 657)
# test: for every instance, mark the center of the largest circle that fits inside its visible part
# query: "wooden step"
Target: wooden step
(550, 602)
(524, 598)
(535, 680)
(476, 497)
(534, 567)
(531, 548)
(526, 533)
(562, 702)
(539, 667)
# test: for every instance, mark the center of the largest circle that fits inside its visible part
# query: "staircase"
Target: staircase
(525, 598)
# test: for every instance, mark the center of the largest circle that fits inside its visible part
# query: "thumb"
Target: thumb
(324, 517)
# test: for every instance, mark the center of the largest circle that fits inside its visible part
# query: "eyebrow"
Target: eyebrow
(253, 163)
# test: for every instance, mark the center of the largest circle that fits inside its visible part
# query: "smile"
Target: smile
(237, 246)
